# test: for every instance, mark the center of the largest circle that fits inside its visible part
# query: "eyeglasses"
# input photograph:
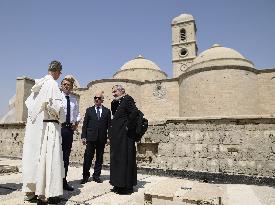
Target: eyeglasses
(114, 91)
(66, 84)
(99, 98)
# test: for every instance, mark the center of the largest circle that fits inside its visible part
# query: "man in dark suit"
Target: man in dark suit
(94, 135)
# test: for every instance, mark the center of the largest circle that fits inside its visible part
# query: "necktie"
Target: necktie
(98, 112)
(68, 115)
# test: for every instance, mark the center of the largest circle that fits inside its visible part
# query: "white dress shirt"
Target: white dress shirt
(75, 115)
(100, 110)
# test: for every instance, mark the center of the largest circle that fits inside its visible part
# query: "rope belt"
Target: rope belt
(56, 121)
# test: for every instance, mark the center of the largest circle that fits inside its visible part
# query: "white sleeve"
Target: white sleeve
(78, 118)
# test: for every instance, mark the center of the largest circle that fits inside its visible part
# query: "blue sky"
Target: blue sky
(94, 38)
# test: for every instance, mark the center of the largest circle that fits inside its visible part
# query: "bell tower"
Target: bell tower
(184, 45)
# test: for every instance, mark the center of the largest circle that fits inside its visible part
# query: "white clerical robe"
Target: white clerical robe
(42, 161)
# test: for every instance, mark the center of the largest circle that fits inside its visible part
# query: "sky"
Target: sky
(94, 38)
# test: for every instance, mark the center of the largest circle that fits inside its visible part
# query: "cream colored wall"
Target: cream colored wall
(227, 92)
(181, 63)
(86, 96)
(190, 48)
(140, 74)
(23, 90)
(266, 90)
(181, 66)
(190, 31)
(160, 100)
(157, 100)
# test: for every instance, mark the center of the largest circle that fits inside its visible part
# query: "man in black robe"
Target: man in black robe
(123, 167)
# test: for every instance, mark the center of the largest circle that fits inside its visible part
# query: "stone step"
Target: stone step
(182, 192)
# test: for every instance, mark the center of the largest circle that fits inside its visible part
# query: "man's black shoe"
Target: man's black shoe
(130, 190)
(67, 187)
(41, 202)
(84, 180)
(97, 180)
(123, 192)
(115, 189)
(30, 197)
(54, 200)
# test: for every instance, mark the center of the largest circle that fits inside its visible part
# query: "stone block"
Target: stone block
(211, 138)
(213, 151)
(212, 165)
(183, 163)
(166, 149)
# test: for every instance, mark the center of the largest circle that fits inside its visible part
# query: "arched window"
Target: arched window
(183, 52)
(182, 34)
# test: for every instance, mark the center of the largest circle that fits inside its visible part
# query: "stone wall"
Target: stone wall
(219, 92)
(11, 139)
(244, 146)
(231, 146)
(160, 99)
(266, 92)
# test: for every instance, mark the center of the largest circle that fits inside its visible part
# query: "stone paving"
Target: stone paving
(155, 190)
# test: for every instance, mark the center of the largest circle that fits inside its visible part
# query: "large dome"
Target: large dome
(220, 56)
(182, 18)
(140, 69)
(140, 62)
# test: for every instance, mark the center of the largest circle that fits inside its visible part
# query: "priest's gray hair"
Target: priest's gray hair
(119, 87)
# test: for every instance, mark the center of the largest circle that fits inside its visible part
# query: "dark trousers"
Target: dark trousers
(67, 141)
(91, 148)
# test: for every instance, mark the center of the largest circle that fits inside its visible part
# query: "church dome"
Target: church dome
(140, 69)
(140, 62)
(182, 18)
(220, 56)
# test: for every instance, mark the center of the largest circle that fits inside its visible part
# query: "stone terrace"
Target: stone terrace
(151, 189)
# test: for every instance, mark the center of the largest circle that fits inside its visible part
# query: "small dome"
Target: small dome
(140, 69)
(182, 18)
(140, 62)
(220, 56)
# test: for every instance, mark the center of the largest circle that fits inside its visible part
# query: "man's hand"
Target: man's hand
(83, 141)
(108, 141)
(74, 127)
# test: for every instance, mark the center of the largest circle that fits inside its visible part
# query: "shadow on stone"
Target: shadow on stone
(9, 188)
(69, 194)
(215, 178)
(140, 184)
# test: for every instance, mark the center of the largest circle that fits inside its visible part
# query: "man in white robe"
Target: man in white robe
(42, 161)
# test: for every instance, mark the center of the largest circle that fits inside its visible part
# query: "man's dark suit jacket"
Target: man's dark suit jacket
(94, 129)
